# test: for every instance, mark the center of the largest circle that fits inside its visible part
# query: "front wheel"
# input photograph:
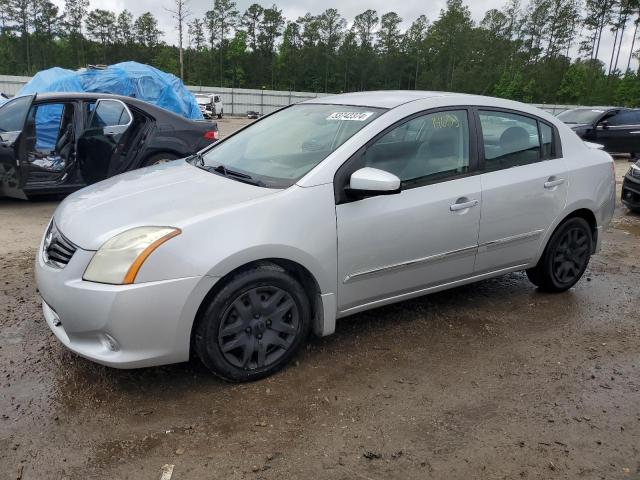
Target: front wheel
(254, 325)
(565, 258)
(221, 113)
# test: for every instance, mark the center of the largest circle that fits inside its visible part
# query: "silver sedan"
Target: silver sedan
(321, 210)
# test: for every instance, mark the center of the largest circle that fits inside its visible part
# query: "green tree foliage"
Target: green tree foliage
(525, 50)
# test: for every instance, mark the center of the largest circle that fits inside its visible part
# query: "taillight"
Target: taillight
(211, 135)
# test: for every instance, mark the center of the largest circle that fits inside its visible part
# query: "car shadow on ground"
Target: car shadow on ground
(469, 313)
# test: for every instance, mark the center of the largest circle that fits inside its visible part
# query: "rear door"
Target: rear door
(13, 115)
(524, 187)
(101, 144)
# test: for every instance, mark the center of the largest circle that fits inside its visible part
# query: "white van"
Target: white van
(210, 105)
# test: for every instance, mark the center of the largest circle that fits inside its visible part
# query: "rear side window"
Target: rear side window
(546, 132)
(512, 140)
(109, 113)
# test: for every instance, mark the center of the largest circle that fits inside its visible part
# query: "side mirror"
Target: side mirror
(368, 182)
(604, 124)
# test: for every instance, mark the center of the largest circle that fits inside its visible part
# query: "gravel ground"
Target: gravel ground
(491, 380)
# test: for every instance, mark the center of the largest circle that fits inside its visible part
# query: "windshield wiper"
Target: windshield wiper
(239, 176)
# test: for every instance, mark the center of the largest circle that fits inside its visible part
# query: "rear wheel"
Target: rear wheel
(254, 325)
(160, 158)
(565, 258)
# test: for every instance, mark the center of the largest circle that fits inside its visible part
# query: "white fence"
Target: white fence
(10, 84)
(237, 101)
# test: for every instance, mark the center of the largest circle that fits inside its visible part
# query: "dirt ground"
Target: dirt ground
(493, 380)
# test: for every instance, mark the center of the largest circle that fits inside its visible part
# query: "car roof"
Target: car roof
(378, 98)
(150, 108)
(89, 96)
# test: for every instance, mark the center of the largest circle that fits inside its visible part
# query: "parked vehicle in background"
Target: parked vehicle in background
(616, 129)
(238, 253)
(210, 105)
(631, 188)
(60, 142)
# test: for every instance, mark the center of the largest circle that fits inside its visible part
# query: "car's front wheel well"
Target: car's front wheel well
(159, 155)
(589, 217)
(297, 271)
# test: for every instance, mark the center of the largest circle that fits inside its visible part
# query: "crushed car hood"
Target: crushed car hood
(173, 194)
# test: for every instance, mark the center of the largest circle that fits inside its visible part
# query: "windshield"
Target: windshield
(581, 115)
(203, 100)
(280, 149)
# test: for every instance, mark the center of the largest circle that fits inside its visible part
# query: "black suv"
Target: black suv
(60, 142)
(617, 129)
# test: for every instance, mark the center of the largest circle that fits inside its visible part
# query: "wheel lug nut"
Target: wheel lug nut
(248, 330)
(256, 316)
(268, 323)
(259, 336)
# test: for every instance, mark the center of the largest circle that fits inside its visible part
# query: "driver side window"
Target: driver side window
(429, 147)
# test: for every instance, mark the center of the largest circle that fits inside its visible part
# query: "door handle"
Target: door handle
(553, 183)
(456, 207)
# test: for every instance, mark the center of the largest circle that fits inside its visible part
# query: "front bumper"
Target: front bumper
(122, 326)
(631, 192)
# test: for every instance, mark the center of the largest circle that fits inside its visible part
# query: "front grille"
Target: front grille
(57, 249)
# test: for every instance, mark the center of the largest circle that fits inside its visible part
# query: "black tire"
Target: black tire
(221, 113)
(239, 336)
(160, 158)
(565, 257)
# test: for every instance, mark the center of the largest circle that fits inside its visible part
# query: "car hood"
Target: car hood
(174, 194)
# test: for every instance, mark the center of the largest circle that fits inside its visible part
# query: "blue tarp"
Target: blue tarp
(131, 79)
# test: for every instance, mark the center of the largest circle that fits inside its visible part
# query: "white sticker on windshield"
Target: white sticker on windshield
(597, 111)
(354, 116)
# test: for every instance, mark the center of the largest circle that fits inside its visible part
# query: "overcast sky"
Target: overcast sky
(293, 9)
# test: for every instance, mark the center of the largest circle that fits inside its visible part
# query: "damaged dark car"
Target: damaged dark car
(56, 143)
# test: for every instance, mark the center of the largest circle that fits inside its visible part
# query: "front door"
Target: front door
(48, 150)
(13, 115)
(100, 145)
(524, 188)
(426, 235)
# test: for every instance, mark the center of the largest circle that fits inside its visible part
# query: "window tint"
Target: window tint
(13, 114)
(625, 118)
(509, 140)
(110, 113)
(431, 146)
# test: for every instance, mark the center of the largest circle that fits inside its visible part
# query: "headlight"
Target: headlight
(120, 258)
(634, 171)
